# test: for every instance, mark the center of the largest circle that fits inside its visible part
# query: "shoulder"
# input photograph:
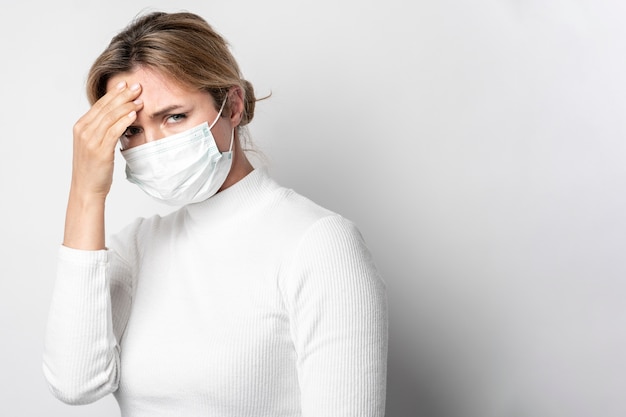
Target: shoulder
(298, 209)
(299, 219)
(330, 268)
(332, 240)
(322, 242)
(307, 224)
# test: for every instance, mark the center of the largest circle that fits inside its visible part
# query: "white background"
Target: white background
(478, 145)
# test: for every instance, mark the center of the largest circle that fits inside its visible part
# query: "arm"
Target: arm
(89, 310)
(91, 298)
(338, 310)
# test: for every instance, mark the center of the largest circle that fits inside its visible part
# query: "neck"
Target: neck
(240, 167)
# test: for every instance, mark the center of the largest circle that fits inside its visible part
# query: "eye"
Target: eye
(131, 131)
(176, 118)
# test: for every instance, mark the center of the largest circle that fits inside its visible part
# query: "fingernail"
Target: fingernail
(132, 114)
(121, 85)
(138, 101)
(134, 87)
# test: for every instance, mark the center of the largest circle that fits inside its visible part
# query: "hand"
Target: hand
(95, 137)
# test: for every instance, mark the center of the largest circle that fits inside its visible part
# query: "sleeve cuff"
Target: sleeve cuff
(81, 256)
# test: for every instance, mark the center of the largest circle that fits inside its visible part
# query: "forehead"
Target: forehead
(150, 80)
(158, 89)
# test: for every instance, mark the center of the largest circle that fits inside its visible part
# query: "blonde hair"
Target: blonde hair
(182, 46)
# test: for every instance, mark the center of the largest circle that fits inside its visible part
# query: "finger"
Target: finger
(115, 109)
(116, 130)
(97, 133)
(97, 107)
(117, 96)
(113, 124)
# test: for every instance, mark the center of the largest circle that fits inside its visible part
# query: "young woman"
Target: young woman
(248, 300)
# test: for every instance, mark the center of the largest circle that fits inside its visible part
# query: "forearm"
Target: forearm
(84, 222)
(81, 354)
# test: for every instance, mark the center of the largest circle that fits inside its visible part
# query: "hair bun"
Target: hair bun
(249, 103)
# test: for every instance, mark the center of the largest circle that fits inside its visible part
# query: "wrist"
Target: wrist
(84, 221)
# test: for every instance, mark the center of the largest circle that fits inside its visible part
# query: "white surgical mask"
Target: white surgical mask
(180, 169)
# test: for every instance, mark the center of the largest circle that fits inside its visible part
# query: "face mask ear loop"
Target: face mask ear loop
(219, 113)
(232, 139)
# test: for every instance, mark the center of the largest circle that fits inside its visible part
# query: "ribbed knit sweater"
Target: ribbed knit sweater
(256, 302)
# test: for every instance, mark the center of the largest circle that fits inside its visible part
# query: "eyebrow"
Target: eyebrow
(166, 110)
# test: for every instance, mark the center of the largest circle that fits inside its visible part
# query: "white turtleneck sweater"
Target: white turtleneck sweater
(256, 302)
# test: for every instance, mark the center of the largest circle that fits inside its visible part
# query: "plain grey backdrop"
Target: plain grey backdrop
(478, 145)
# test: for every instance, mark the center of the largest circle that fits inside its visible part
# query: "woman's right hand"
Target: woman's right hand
(95, 137)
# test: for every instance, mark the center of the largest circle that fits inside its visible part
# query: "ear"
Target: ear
(235, 105)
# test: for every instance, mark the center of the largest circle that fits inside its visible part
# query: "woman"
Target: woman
(249, 300)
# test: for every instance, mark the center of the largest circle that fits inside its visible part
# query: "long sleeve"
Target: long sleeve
(338, 313)
(89, 309)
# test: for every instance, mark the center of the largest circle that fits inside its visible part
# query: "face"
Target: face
(169, 108)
